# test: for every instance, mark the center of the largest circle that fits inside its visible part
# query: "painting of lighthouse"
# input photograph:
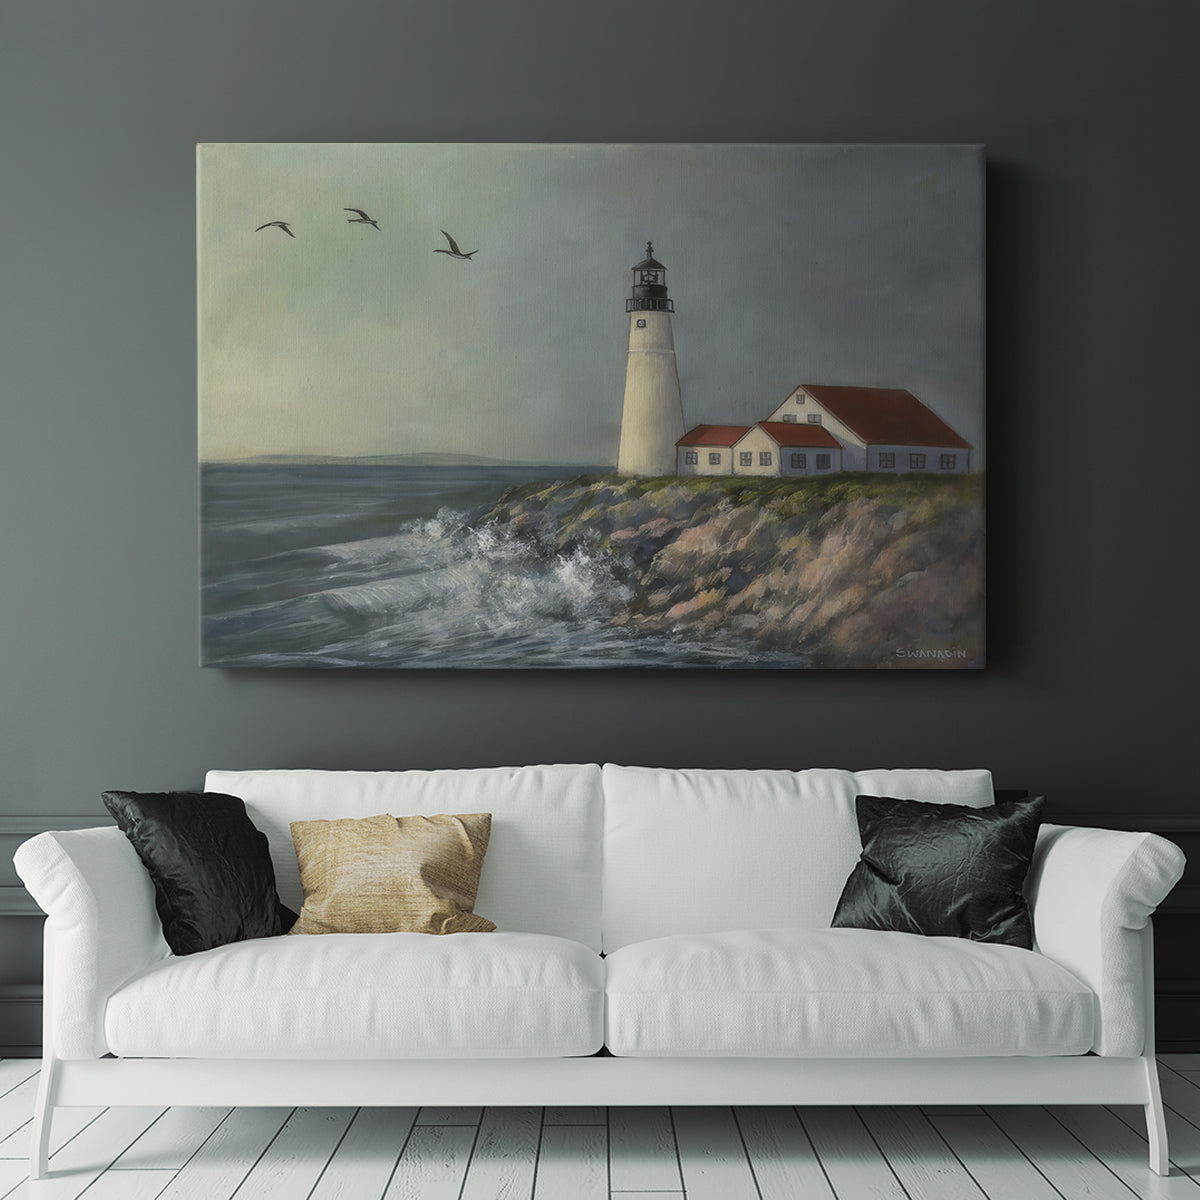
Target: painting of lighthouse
(454, 414)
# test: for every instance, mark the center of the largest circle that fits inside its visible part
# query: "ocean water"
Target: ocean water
(348, 565)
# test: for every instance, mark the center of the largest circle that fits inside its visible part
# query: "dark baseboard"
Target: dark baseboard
(1177, 1018)
(21, 1020)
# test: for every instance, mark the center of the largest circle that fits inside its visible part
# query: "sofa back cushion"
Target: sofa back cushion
(711, 851)
(542, 873)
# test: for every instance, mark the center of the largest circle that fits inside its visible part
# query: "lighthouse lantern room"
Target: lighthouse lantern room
(649, 286)
(652, 417)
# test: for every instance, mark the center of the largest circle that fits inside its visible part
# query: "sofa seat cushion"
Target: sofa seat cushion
(384, 995)
(840, 993)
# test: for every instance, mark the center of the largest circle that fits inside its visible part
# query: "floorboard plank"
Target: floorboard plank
(433, 1164)
(364, 1159)
(711, 1155)
(84, 1158)
(65, 1124)
(13, 1171)
(171, 1140)
(16, 1070)
(218, 1168)
(995, 1163)
(573, 1163)
(128, 1185)
(1183, 1138)
(653, 1196)
(782, 1158)
(1181, 1062)
(505, 1158)
(926, 1167)
(1064, 1161)
(852, 1161)
(1123, 1152)
(575, 1114)
(291, 1165)
(641, 1150)
(16, 1107)
(434, 1115)
(1180, 1094)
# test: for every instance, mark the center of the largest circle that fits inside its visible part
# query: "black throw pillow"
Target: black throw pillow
(213, 878)
(943, 870)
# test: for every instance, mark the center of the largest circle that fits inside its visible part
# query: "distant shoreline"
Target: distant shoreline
(426, 459)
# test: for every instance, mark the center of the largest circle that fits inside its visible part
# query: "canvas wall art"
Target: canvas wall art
(607, 406)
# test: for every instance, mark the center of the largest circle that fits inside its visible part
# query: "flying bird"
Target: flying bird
(361, 219)
(454, 251)
(281, 224)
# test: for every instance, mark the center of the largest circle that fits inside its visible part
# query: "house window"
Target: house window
(799, 462)
(800, 398)
(691, 458)
(790, 417)
(887, 458)
(764, 458)
(814, 418)
(641, 323)
(946, 462)
(746, 458)
(916, 462)
(714, 458)
(822, 462)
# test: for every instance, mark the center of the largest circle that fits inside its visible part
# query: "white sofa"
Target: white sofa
(710, 894)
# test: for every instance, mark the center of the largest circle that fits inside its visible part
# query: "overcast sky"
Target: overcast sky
(857, 265)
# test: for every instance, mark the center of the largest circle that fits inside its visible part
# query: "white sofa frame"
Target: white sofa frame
(1082, 1079)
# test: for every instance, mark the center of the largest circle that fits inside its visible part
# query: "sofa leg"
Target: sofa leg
(1156, 1125)
(43, 1111)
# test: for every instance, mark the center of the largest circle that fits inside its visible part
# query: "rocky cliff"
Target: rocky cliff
(872, 571)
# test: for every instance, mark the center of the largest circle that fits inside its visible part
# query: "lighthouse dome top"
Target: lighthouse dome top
(649, 262)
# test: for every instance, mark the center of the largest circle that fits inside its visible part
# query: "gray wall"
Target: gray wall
(1087, 108)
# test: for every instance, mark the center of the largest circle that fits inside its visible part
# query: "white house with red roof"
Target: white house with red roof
(820, 429)
(708, 449)
(766, 448)
(779, 448)
(879, 429)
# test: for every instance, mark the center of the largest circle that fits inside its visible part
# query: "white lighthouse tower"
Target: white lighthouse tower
(652, 419)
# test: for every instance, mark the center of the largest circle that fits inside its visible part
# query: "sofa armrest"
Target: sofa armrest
(1091, 892)
(103, 928)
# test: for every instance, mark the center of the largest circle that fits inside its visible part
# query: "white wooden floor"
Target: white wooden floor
(586, 1153)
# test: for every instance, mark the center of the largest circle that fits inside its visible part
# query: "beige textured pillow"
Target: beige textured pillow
(392, 874)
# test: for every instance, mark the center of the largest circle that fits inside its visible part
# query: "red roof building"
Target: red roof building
(765, 448)
(786, 448)
(708, 449)
(712, 435)
(879, 429)
(821, 428)
(786, 433)
(890, 415)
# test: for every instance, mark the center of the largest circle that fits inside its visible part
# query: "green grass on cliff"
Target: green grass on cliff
(784, 497)
(799, 494)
